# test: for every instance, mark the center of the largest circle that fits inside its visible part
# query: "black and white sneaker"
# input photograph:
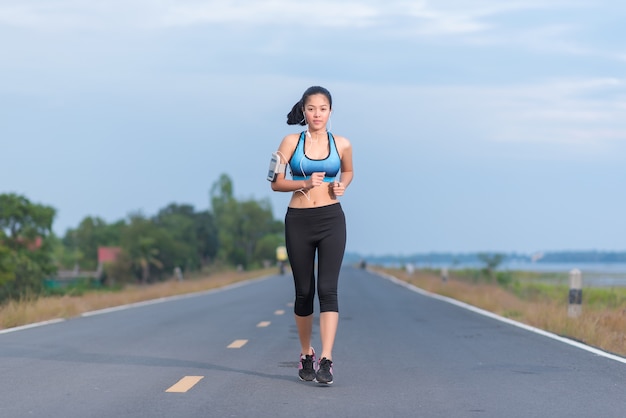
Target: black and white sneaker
(306, 367)
(325, 372)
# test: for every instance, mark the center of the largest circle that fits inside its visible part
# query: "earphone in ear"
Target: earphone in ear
(307, 123)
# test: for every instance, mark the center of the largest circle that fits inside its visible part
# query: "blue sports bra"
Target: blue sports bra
(302, 166)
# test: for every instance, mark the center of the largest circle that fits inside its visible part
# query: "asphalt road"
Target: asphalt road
(234, 352)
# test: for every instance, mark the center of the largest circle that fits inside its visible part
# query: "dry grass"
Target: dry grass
(598, 327)
(15, 314)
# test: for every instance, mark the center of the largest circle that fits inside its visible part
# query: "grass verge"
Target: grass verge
(17, 313)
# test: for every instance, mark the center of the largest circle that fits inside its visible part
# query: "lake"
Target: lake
(593, 274)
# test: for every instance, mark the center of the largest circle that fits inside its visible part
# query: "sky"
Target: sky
(475, 125)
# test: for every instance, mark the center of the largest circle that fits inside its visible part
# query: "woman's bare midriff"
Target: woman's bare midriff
(321, 195)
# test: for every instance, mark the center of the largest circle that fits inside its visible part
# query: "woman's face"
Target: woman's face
(317, 111)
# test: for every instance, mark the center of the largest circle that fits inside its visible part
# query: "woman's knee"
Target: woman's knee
(328, 300)
(303, 307)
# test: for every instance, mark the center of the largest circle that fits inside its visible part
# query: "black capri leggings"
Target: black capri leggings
(321, 229)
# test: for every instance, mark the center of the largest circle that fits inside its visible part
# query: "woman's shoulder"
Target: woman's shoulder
(341, 141)
(289, 144)
(293, 137)
(290, 139)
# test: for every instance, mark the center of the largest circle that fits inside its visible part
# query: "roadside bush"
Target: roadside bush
(504, 278)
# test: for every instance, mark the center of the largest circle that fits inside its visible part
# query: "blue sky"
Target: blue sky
(476, 125)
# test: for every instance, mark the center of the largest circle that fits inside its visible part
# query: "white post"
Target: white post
(410, 268)
(575, 293)
(444, 274)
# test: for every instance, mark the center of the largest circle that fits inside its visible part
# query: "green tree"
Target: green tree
(257, 222)
(225, 211)
(207, 240)
(83, 242)
(241, 225)
(64, 258)
(266, 247)
(119, 271)
(491, 262)
(141, 242)
(177, 222)
(7, 265)
(26, 255)
(148, 257)
(194, 236)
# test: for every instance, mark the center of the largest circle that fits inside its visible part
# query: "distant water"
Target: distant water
(593, 274)
(567, 267)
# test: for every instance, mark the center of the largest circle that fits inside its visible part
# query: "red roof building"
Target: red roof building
(108, 254)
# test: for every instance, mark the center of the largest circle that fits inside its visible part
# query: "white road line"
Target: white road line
(185, 384)
(263, 324)
(503, 319)
(237, 343)
(279, 312)
(35, 325)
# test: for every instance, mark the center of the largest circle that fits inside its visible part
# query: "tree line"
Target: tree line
(233, 233)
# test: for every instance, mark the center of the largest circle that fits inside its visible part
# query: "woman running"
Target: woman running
(321, 170)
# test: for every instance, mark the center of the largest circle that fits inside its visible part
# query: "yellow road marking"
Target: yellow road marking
(263, 324)
(279, 312)
(237, 343)
(184, 384)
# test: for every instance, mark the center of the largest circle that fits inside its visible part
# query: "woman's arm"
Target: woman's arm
(347, 170)
(282, 184)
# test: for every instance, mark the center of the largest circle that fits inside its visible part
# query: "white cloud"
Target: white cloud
(487, 23)
(477, 22)
(456, 18)
(279, 12)
(439, 17)
(63, 15)
(579, 118)
(72, 14)
(586, 113)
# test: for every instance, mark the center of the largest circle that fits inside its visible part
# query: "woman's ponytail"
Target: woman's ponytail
(296, 116)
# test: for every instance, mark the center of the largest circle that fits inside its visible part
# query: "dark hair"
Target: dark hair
(296, 116)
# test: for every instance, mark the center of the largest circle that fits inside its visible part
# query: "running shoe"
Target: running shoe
(306, 367)
(325, 372)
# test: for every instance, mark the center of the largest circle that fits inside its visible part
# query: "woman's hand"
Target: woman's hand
(338, 188)
(315, 180)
